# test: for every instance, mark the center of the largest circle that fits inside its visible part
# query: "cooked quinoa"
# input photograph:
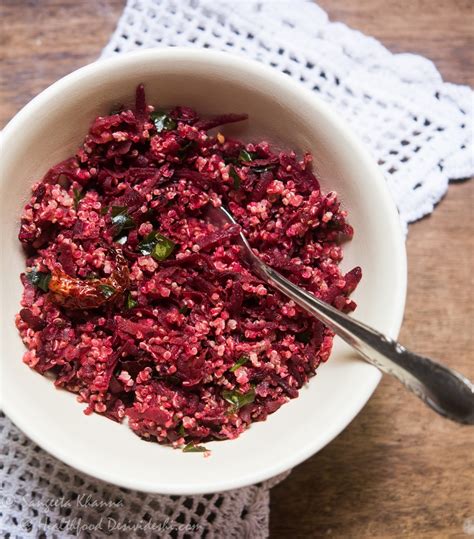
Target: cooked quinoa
(138, 304)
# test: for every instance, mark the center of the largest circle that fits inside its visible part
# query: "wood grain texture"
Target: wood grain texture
(398, 470)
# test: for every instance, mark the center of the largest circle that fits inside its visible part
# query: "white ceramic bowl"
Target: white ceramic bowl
(51, 127)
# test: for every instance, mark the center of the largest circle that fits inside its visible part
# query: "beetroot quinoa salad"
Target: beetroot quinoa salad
(136, 303)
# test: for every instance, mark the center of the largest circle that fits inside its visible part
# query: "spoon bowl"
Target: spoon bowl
(52, 126)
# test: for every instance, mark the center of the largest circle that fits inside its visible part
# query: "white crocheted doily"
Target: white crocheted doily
(418, 128)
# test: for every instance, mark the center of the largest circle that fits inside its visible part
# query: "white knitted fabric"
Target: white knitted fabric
(418, 128)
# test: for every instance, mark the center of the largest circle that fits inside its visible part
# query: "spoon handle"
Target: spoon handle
(443, 389)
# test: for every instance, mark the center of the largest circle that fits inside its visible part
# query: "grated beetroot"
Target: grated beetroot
(136, 303)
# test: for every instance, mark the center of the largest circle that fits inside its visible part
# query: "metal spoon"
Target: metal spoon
(446, 391)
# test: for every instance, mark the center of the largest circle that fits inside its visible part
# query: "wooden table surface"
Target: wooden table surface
(398, 470)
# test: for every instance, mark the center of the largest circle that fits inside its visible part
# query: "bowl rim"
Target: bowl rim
(393, 223)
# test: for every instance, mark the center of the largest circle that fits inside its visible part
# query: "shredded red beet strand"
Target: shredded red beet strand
(136, 303)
